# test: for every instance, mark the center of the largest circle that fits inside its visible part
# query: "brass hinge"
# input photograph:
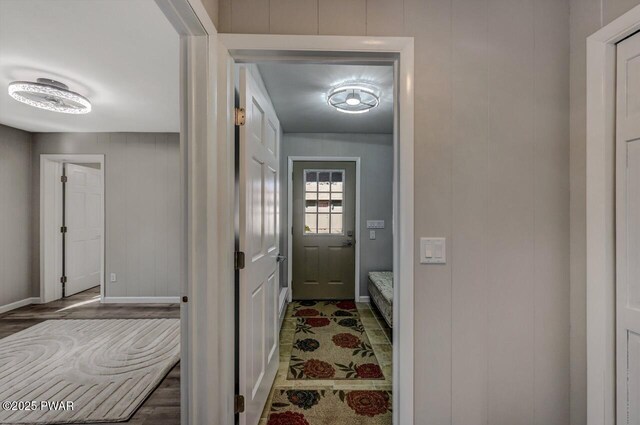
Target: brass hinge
(238, 403)
(63, 229)
(241, 116)
(63, 279)
(238, 260)
(63, 179)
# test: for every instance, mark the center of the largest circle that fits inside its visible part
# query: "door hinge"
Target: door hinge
(63, 179)
(292, 230)
(241, 116)
(238, 403)
(238, 260)
(63, 229)
(63, 279)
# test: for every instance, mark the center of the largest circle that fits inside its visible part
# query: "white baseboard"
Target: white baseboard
(364, 299)
(282, 304)
(18, 304)
(141, 300)
(282, 299)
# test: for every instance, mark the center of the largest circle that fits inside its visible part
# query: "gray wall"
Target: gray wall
(15, 215)
(587, 16)
(142, 200)
(492, 175)
(376, 180)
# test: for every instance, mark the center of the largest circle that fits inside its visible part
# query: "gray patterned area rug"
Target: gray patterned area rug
(87, 370)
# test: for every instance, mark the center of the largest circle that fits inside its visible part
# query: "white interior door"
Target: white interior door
(259, 240)
(628, 231)
(83, 219)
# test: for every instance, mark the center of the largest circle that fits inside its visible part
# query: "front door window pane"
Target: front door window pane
(311, 207)
(310, 223)
(336, 181)
(336, 224)
(323, 206)
(311, 181)
(323, 182)
(324, 199)
(323, 223)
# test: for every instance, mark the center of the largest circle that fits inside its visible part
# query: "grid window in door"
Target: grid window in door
(323, 197)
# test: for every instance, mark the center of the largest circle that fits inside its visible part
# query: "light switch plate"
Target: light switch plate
(433, 250)
(113, 277)
(375, 224)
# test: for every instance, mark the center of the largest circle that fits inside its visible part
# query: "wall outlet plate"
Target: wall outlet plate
(113, 277)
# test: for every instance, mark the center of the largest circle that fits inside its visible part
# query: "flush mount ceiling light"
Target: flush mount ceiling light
(354, 98)
(50, 95)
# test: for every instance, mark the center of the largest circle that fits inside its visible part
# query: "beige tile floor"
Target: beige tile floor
(379, 335)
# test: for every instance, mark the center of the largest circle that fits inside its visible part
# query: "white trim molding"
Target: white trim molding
(282, 305)
(601, 281)
(290, 163)
(17, 304)
(364, 299)
(204, 376)
(398, 51)
(141, 300)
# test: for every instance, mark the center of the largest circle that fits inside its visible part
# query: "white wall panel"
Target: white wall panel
(385, 17)
(470, 281)
(293, 16)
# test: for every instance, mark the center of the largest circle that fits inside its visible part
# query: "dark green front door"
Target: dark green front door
(324, 196)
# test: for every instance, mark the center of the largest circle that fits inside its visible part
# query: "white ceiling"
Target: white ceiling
(299, 95)
(121, 54)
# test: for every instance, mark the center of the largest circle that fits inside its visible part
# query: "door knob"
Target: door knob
(281, 258)
(347, 243)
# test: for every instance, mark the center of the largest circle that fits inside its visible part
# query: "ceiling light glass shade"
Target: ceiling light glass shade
(50, 95)
(354, 98)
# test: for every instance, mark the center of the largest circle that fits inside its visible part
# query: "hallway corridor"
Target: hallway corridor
(335, 366)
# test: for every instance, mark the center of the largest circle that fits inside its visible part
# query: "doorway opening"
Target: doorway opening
(258, 243)
(330, 227)
(72, 225)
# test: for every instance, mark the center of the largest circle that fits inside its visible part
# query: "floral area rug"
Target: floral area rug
(332, 346)
(330, 407)
(346, 308)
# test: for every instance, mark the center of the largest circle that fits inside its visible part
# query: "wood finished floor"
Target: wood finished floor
(163, 405)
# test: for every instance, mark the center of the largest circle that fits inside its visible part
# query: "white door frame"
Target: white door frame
(290, 161)
(206, 380)
(601, 260)
(51, 168)
(400, 52)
